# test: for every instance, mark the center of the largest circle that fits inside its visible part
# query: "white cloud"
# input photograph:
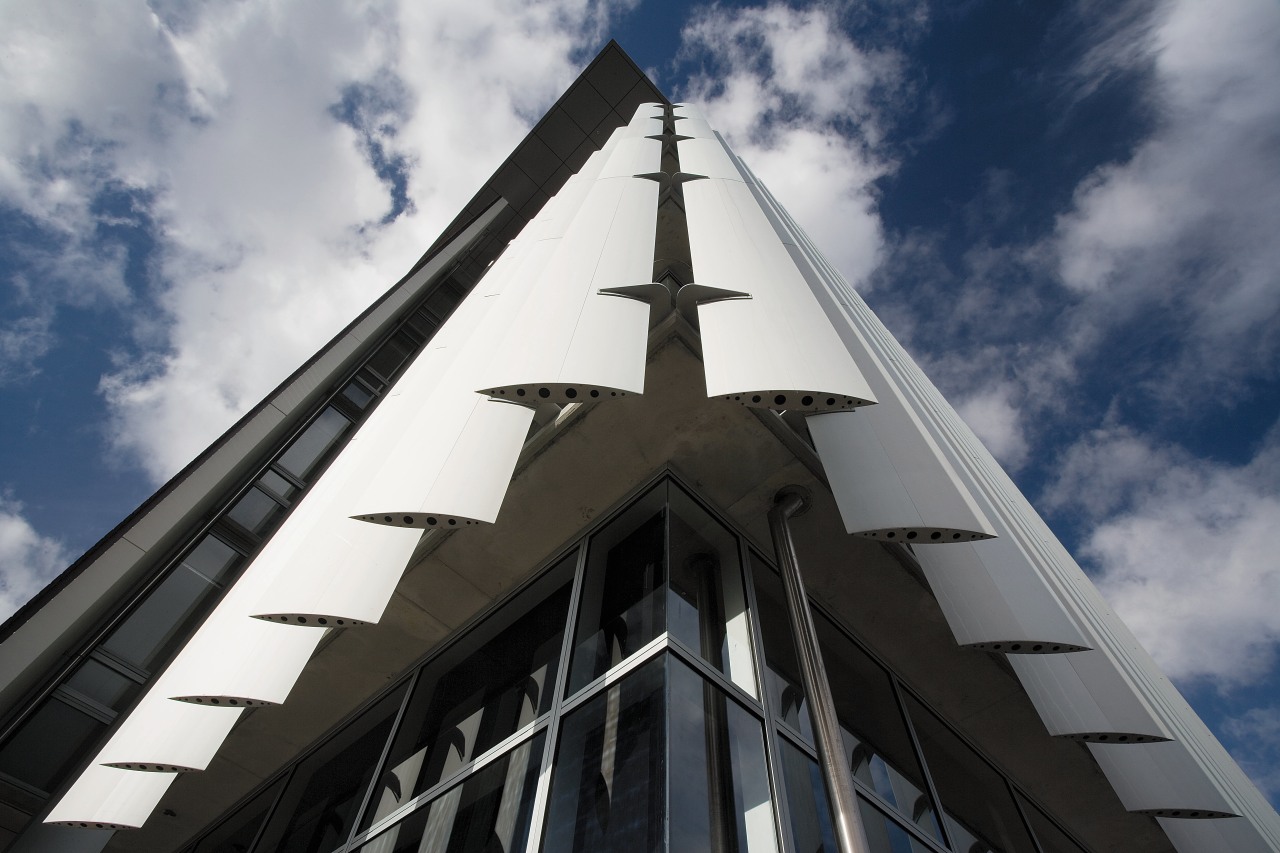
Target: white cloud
(267, 209)
(28, 561)
(997, 421)
(1184, 229)
(800, 102)
(1257, 736)
(1184, 551)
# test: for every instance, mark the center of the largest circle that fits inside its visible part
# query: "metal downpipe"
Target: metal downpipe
(850, 834)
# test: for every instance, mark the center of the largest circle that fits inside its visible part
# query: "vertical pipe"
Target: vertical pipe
(851, 836)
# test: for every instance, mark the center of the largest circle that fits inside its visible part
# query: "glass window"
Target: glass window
(423, 323)
(706, 608)
(719, 797)
(48, 743)
(358, 394)
(608, 788)
(256, 511)
(1052, 838)
(277, 485)
(488, 813)
(161, 621)
(979, 813)
(319, 806)
(391, 355)
(309, 448)
(875, 736)
(214, 559)
(481, 691)
(782, 680)
(812, 830)
(103, 684)
(236, 833)
(624, 590)
(885, 835)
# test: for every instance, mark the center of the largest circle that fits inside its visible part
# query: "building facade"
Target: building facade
(323, 635)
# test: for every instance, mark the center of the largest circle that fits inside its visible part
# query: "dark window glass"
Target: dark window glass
(885, 835)
(624, 590)
(706, 607)
(103, 684)
(278, 485)
(719, 797)
(423, 323)
(488, 813)
(979, 813)
(319, 806)
(1051, 838)
(48, 743)
(444, 299)
(214, 559)
(481, 691)
(309, 448)
(608, 788)
(256, 511)
(875, 737)
(391, 355)
(812, 830)
(161, 621)
(782, 680)
(358, 394)
(236, 833)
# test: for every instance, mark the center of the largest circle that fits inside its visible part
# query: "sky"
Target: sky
(1066, 210)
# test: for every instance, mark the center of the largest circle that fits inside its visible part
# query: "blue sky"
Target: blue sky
(1066, 210)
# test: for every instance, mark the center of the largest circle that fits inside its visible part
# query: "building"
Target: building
(611, 664)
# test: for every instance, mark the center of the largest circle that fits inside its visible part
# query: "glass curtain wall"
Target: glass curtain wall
(641, 696)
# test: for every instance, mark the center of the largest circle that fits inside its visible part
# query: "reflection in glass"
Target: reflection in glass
(663, 567)
(782, 668)
(481, 691)
(706, 608)
(720, 798)
(812, 830)
(885, 835)
(318, 808)
(657, 763)
(103, 684)
(256, 511)
(608, 790)
(979, 813)
(875, 736)
(308, 449)
(624, 590)
(1052, 838)
(44, 748)
(488, 813)
(236, 833)
(150, 632)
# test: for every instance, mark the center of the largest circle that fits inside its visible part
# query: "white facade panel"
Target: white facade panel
(707, 157)
(107, 798)
(568, 342)
(630, 157)
(889, 479)
(776, 349)
(1161, 779)
(994, 602)
(1084, 696)
(164, 736)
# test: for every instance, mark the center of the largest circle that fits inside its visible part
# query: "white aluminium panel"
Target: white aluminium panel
(631, 157)
(164, 736)
(993, 601)
(776, 349)
(569, 342)
(889, 479)
(1084, 696)
(107, 798)
(1161, 779)
(1210, 836)
(706, 157)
